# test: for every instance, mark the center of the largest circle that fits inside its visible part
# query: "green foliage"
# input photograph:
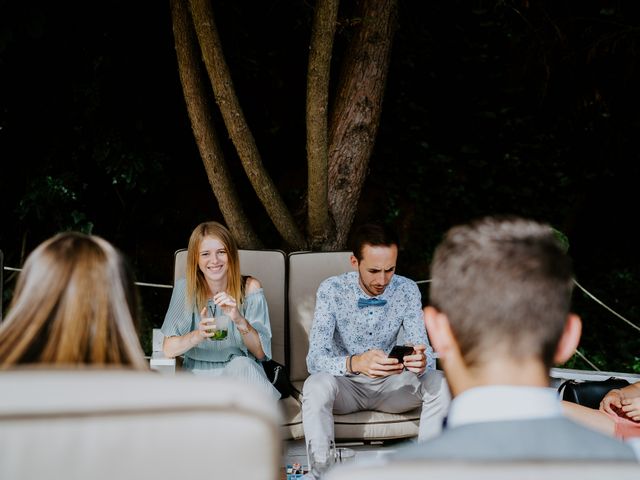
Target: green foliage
(562, 239)
(493, 106)
(519, 108)
(607, 340)
(63, 193)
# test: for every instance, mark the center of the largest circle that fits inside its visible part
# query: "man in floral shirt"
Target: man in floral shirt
(357, 318)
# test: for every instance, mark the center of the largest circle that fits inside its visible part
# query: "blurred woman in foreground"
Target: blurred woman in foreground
(75, 304)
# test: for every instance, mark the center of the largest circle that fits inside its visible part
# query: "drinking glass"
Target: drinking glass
(322, 456)
(344, 454)
(221, 321)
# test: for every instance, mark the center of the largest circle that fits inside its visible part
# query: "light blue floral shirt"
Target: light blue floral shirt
(182, 319)
(340, 328)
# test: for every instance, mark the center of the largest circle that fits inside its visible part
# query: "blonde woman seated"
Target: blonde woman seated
(213, 288)
(618, 415)
(75, 304)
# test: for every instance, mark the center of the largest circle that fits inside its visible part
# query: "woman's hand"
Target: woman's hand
(631, 408)
(611, 402)
(206, 327)
(177, 345)
(228, 305)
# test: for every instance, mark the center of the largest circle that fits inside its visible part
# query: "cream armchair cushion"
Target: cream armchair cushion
(507, 470)
(120, 424)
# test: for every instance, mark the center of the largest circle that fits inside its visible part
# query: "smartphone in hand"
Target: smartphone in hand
(399, 351)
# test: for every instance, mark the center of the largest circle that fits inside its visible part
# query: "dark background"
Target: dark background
(525, 107)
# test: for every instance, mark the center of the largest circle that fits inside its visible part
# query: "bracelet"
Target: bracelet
(350, 362)
(244, 331)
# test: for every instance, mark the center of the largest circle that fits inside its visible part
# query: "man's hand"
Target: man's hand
(375, 364)
(417, 361)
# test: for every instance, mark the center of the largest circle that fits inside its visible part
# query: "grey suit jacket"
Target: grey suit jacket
(537, 439)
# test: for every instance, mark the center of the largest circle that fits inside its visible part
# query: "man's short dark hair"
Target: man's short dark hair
(373, 234)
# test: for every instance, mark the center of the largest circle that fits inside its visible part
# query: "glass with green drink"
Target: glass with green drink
(221, 322)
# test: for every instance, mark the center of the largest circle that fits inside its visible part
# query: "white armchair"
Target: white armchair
(119, 424)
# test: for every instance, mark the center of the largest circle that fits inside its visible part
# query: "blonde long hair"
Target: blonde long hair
(75, 303)
(197, 289)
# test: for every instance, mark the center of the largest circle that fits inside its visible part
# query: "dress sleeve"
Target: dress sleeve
(256, 311)
(413, 323)
(179, 318)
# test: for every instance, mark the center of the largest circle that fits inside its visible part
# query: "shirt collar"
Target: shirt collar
(503, 402)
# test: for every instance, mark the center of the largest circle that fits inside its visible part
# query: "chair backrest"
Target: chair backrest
(268, 266)
(1, 281)
(478, 470)
(306, 271)
(109, 424)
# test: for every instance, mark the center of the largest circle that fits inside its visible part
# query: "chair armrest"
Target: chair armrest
(163, 364)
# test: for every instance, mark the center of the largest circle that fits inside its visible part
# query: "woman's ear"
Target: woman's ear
(569, 339)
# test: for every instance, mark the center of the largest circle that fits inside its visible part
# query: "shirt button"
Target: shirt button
(370, 333)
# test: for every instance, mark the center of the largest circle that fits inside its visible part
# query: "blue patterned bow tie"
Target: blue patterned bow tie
(371, 302)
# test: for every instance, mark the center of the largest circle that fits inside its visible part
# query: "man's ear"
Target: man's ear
(354, 261)
(569, 339)
(440, 334)
(444, 342)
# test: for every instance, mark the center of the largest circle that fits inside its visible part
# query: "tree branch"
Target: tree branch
(204, 130)
(356, 112)
(322, 35)
(236, 124)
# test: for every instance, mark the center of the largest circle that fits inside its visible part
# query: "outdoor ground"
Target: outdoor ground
(295, 451)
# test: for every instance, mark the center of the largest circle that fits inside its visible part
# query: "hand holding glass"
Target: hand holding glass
(221, 324)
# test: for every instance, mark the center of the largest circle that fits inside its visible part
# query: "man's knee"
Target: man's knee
(320, 385)
(434, 384)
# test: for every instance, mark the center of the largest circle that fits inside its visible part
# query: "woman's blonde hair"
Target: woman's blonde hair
(197, 289)
(75, 303)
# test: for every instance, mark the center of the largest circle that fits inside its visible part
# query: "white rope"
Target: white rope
(599, 302)
(157, 285)
(590, 296)
(141, 284)
(587, 360)
(580, 354)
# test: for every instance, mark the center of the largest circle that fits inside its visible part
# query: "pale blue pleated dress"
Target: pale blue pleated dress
(230, 356)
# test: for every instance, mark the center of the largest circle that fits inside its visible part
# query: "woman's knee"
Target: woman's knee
(242, 365)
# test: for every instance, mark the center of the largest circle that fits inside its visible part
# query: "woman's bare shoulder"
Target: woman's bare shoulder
(253, 285)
